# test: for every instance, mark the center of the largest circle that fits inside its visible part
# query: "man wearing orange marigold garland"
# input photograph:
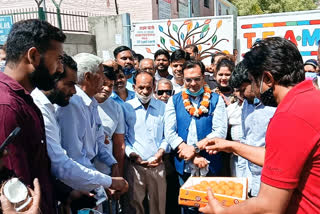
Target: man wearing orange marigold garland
(192, 117)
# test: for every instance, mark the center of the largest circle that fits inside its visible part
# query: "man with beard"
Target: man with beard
(124, 57)
(290, 175)
(81, 129)
(178, 58)
(34, 53)
(161, 61)
(65, 168)
(255, 118)
(145, 146)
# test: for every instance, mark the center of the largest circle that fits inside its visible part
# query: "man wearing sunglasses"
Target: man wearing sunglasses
(164, 90)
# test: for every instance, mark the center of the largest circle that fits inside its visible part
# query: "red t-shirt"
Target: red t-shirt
(292, 158)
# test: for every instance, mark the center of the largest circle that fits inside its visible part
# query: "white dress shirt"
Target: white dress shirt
(145, 134)
(176, 87)
(82, 134)
(219, 125)
(63, 167)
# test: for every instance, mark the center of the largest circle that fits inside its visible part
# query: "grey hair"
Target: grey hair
(86, 63)
(165, 81)
(146, 59)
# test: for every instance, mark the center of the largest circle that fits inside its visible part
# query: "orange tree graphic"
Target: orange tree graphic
(175, 37)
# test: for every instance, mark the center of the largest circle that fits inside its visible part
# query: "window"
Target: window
(206, 3)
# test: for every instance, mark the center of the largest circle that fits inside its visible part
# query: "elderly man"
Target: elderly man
(81, 129)
(164, 90)
(290, 174)
(147, 65)
(145, 146)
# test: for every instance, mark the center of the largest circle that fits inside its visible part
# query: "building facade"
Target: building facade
(139, 10)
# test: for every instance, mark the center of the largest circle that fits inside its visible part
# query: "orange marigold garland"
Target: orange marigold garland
(204, 104)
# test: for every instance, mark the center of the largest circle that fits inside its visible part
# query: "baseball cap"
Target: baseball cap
(312, 62)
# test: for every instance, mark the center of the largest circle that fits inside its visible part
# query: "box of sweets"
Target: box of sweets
(228, 190)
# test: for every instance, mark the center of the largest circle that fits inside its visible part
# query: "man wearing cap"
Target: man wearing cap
(311, 65)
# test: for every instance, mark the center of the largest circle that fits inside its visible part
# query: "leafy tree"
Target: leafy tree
(253, 7)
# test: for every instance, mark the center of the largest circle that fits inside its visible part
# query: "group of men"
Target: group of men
(124, 125)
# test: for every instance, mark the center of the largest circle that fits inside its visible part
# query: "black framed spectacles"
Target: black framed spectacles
(161, 92)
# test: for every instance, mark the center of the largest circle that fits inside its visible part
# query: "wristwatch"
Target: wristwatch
(196, 148)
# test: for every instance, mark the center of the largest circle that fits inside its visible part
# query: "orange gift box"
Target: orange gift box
(189, 196)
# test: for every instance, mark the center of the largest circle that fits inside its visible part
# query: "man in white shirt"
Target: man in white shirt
(178, 58)
(112, 118)
(145, 146)
(81, 130)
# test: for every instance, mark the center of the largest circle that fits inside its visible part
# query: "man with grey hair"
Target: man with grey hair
(82, 134)
(164, 90)
(147, 65)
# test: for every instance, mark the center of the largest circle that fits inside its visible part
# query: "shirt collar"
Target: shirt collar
(12, 84)
(41, 97)
(130, 96)
(86, 99)
(136, 103)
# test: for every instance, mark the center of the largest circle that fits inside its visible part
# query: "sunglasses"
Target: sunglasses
(161, 92)
(189, 80)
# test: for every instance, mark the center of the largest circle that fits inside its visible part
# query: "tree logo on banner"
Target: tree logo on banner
(178, 37)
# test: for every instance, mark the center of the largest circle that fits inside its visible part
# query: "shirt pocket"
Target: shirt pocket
(157, 129)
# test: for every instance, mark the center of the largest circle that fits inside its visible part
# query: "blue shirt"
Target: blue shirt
(112, 119)
(64, 167)
(115, 96)
(130, 83)
(145, 134)
(82, 133)
(255, 120)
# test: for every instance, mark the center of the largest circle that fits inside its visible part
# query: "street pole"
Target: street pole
(44, 10)
(190, 8)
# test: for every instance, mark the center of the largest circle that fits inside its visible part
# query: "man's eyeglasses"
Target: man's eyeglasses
(196, 79)
(161, 92)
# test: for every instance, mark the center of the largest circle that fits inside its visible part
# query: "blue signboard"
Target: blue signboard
(5, 26)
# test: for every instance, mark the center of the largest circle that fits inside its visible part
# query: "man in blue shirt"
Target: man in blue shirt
(255, 119)
(124, 57)
(81, 129)
(145, 146)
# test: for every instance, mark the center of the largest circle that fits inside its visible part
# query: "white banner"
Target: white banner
(302, 28)
(210, 34)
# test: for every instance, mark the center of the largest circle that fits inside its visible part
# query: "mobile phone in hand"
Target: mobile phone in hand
(12, 136)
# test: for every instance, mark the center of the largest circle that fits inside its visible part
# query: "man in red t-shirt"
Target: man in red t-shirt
(291, 171)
